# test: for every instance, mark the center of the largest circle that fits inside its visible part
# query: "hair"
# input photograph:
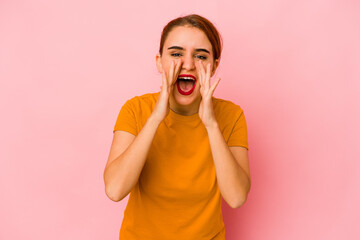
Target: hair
(199, 22)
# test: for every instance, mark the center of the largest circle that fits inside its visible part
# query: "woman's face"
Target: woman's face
(191, 46)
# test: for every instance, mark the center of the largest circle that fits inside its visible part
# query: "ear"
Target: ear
(216, 64)
(158, 63)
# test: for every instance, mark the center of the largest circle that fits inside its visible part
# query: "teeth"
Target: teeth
(187, 78)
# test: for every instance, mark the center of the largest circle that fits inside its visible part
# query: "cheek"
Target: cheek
(165, 66)
(205, 63)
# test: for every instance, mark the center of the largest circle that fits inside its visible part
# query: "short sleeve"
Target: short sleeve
(126, 120)
(238, 135)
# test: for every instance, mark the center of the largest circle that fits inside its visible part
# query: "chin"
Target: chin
(185, 100)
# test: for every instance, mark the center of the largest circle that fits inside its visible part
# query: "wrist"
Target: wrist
(153, 120)
(212, 126)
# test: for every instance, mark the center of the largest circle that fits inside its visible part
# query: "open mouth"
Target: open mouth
(186, 84)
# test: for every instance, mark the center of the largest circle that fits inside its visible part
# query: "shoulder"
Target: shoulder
(141, 107)
(227, 113)
(232, 123)
(143, 101)
(222, 106)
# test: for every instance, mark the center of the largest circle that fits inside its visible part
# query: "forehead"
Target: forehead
(187, 37)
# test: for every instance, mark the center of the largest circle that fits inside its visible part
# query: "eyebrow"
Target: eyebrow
(196, 50)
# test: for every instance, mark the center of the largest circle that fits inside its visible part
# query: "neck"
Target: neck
(185, 110)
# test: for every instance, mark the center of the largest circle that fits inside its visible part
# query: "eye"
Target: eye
(175, 54)
(201, 57)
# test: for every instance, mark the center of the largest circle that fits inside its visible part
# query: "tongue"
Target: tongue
(186, 85)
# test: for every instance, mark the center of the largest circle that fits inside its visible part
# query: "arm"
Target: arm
(126, 160)
(231, 163)
(232, 168)
(128, 152)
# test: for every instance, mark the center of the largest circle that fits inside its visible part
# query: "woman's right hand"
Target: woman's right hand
(162, 108)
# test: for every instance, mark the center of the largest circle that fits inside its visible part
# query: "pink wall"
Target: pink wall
(66, 68)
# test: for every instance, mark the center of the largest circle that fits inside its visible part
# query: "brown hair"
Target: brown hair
(199, 22)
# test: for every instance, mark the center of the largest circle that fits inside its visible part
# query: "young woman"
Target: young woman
(178, 151)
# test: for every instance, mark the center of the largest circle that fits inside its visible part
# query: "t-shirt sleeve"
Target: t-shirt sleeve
(126, 120)
(238, 135)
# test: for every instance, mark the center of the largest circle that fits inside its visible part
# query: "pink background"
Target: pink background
(66, 68)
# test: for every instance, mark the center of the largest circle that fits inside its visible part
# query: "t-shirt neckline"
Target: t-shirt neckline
(183, 118)
(179, 117)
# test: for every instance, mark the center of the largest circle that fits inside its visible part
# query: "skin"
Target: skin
(128, 152)
(173, 62)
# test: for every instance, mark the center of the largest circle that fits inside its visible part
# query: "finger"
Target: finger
(171, 74)
(197, 64)
(164, 81)
(177, 70)
(201, 73)
(213, 87)
(207, 75)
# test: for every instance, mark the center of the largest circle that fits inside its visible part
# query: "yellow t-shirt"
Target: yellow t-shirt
(177, 196)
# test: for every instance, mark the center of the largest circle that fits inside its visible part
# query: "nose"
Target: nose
(188, 62)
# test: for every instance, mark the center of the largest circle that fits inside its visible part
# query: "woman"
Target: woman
(180, 150)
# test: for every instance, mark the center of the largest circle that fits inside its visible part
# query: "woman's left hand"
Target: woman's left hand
(206, 109)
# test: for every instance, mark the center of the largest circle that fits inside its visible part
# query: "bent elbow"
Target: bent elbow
(242, 199)
(113, 195)
(237, 203)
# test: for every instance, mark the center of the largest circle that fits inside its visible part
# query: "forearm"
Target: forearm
(234, 183)
(123, 173)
